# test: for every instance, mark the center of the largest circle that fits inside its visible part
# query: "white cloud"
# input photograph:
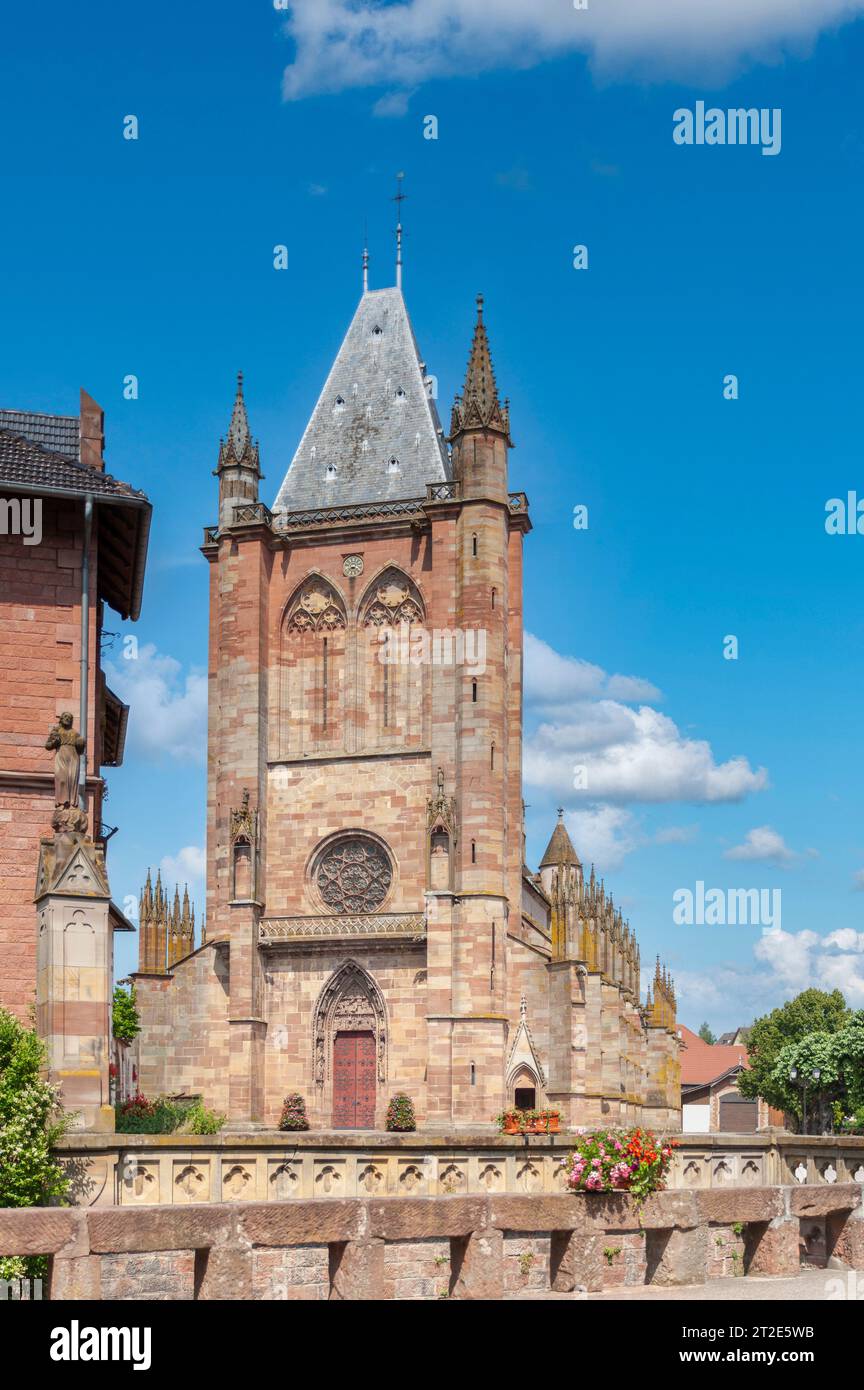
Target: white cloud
(788, 962)
(676, 834)
(603, 835)
(633, 755)
(167, 711)
(762, 845)
(392, 104)
(188, 866)
(592, 747)
(553, 682)
(341, 44)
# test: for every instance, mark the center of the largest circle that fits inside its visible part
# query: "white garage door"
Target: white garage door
(696, 1119)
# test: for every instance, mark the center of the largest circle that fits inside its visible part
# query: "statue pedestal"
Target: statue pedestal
(75, 963)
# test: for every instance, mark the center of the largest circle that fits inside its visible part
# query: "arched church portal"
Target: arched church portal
(351, 1048)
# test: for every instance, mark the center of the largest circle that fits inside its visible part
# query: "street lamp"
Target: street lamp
(797, 1078)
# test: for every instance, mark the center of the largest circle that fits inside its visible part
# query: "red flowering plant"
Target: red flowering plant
(137, 1107)
(619, 1160)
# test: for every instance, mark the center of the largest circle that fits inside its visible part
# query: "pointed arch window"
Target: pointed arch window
(313, 670)
(392, 615)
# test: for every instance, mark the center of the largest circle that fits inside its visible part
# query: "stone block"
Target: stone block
(39, 1231)
(679, 1257)
(540, 1213)
(725, 1206)
(357, 1270)
(576, 1261)
(477, 1266)
(119, 1229)
(846, 1238)
(73, 1278)
(224, 1272)
(774, 1249)
(416, 1218)
(323, 1221)
(820, 1199)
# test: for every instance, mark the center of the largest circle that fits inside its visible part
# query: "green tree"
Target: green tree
(813, 1011)
(706, 1035)
(839, 1059)
(125, 1019)
(31, 1121)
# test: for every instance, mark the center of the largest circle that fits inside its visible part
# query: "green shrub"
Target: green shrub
(31, 1122)
(138, 1115)
(294, 1112)
(125, 1020)
(400, 1113)
(200, 1120)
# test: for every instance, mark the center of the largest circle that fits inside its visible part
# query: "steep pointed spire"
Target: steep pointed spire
(239, 448)
(560, 848)
(478, 407)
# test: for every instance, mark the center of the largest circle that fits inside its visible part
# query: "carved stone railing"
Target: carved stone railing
(380, 1248)
(389, 925)
(443, 492)
(362, 511)
(251, 514)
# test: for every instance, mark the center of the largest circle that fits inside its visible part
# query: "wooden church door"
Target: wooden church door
(354, 1081)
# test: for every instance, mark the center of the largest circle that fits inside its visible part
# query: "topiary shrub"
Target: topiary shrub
(294, 1112)
(400, 1113)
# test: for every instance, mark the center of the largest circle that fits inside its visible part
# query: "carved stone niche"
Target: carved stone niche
(244, 852)
(440, 838)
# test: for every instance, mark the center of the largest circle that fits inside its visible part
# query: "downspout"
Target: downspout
(85, 646)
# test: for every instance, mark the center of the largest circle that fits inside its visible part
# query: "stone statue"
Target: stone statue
(69, 746)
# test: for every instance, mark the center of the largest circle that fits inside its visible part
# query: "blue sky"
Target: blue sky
(706, 516)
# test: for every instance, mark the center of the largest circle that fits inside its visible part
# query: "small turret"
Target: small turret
(238, 468)
(479, 425)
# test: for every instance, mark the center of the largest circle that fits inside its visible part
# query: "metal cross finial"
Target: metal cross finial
(365, 258)
(399, 200)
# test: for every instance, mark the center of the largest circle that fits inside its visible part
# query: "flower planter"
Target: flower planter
(511, 1126)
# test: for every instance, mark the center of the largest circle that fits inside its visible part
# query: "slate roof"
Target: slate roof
(559, 849)
(374, 409)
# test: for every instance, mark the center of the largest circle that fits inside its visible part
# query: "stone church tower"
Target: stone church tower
(371, 925)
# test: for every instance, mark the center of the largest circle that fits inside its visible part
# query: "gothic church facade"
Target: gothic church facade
(371, 924)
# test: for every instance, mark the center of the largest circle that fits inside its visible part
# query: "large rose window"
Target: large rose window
(354, 875)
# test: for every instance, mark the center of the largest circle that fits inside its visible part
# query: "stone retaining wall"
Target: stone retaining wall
(151, 1170)
(431, 1247)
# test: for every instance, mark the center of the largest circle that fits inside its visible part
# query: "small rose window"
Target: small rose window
(354, 875)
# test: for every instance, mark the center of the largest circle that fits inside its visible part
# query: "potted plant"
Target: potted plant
(511, 1120)
(294, 1112)
(400, 1113)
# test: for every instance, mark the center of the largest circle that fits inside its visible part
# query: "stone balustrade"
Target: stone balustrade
(487, 1247)
(147, 1170)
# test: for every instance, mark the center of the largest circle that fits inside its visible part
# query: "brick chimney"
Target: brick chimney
(92, 432)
